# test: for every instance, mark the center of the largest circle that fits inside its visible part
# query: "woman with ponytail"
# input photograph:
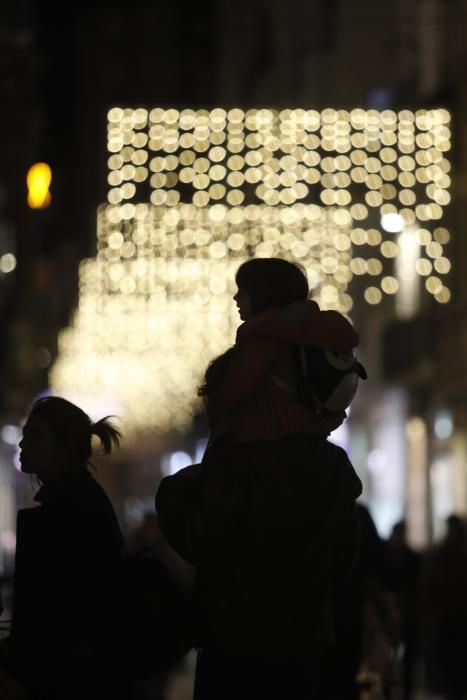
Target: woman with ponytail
(68, 559)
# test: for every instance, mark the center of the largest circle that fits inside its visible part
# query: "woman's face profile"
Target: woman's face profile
(243, 301)
(40, 453)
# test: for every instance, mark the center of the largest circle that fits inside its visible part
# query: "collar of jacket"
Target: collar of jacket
(55, 489)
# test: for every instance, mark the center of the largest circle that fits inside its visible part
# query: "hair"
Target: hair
(73, 429)
(399, 527)
(272, 282)
(215, 372)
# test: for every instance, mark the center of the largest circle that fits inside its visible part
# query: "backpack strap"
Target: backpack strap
(306, 392)
(282, 384)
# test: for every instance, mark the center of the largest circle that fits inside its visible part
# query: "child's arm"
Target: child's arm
(329, 330)
(251, 363)
(332, 331)
(303, 323)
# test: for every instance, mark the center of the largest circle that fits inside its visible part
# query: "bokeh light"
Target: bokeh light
(193, 193)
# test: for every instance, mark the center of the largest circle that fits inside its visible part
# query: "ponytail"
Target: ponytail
(107, 433)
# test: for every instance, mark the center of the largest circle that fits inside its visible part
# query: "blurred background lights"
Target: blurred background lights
(11, 434)
(377, 461)
(172, 463)
(194, 193)
(443, 426)
(43, 358)
(7, 263)
(38, 182)
(392, 222)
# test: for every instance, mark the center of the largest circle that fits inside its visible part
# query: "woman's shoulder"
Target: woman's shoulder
(81, 498)
(92, 494)
(346, 475)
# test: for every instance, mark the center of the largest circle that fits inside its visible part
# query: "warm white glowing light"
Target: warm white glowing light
(408, 274)
(443, 426)
(7, 263)
(392, 222)
(193, 193)
(152, 316)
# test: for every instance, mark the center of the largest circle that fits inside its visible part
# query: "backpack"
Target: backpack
(328, 380)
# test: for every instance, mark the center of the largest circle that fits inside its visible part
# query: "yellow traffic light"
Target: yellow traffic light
(38, 181)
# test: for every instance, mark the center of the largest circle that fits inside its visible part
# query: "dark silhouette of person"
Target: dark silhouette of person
(367, 622)
(157, 598)
(443, 613)
(68, 556)
(146, 535)
(401, 571)
(269, 518)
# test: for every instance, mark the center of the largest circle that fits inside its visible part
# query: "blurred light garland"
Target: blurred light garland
(155, 304)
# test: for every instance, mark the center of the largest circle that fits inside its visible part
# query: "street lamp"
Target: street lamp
(38, 181)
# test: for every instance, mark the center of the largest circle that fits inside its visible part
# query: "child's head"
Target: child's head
(57, 438)
(270, 282)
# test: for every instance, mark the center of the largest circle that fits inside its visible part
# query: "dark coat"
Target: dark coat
(271, 526)
(68, 557)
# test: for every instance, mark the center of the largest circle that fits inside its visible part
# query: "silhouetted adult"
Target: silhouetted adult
(156, 621)
(273, 512)
(68, 557)
(145, 536)
(350, 596)
(401, 570)
(443, 613)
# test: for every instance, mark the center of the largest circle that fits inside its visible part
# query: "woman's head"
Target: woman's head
(57, 438)
(267, 282)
